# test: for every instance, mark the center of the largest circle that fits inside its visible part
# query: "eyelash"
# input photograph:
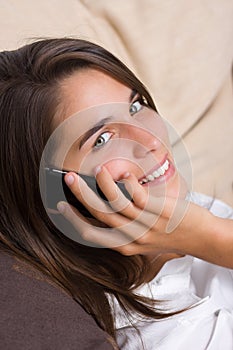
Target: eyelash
(143, 102)
(101, 135)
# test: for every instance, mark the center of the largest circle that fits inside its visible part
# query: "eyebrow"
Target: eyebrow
(132, 95)
(101, 123)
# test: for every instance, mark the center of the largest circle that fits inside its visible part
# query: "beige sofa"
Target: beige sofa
(182, 50)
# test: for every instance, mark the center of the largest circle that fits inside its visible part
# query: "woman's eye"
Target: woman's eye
(137, 105)
(102, 139)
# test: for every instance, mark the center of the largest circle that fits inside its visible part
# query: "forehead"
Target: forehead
(90, 87)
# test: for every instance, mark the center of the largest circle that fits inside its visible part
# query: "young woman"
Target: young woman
(121, 265)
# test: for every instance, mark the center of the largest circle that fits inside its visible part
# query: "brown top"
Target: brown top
(35, 314)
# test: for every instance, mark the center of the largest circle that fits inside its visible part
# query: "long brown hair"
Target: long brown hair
(29, 84)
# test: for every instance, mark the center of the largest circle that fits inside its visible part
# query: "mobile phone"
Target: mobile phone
(57, 190)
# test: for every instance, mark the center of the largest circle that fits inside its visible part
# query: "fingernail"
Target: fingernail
(69, 179)
(61, 207)
(98, 169)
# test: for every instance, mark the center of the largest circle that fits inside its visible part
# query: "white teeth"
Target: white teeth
(150, 177)
(145, 180)
(157, 173)
(166, 165)
(161, 171)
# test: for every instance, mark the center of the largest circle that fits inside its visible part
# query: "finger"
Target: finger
(180, 208)
(159, 205)
(135, 249)
(92, 235)
(139, 193)
(85, 194)
(129, 249)
(119, 202)
(95, 205)
(173, 209)
(116, 198)
(133, 228)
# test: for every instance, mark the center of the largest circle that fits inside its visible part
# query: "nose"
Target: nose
(144, 141)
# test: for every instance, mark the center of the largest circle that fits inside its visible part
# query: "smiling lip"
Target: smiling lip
(169, 172)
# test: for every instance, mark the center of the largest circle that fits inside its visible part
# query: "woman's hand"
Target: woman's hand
(148, 225)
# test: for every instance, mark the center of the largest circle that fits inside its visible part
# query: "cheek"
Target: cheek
(118, 167)
(161, 134)
(157, 127)
(178, 188)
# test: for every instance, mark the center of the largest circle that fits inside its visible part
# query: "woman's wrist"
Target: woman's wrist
(222, 242)
(194, 235)
(210, 239)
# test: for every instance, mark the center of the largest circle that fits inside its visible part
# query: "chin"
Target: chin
(179, 188)
(175, 188)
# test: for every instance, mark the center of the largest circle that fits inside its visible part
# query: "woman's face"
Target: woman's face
(133, 138)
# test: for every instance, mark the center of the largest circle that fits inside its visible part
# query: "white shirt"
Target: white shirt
(185, 282)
